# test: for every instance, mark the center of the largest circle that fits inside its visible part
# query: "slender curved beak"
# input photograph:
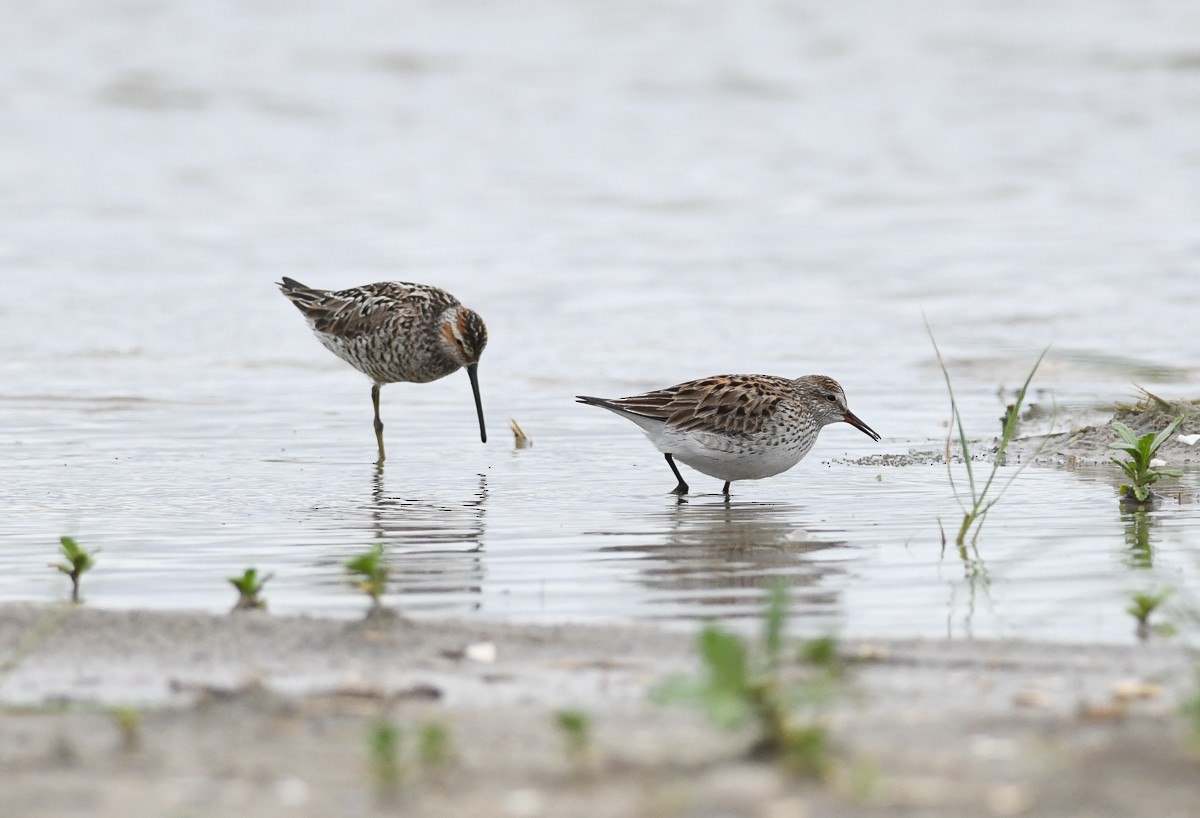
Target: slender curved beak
(853, 420)
(473, 374)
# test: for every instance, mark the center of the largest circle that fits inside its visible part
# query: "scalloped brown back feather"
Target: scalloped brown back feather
(733, 404)
(368, 309)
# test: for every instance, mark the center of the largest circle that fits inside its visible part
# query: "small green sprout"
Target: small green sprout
(433, 744)
(1191, 711)
(1145, 604)
(78, 562)
(822, 652)
(128, 721)
(371, 573)
(383, 752)
(740, 687)
(249, 585)
(576, 729)
(1141, 451)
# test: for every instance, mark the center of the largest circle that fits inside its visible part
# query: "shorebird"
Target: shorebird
(393, 331)
(736, 427)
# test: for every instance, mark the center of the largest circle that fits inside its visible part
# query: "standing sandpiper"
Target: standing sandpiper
(736, 427)
(393, 331)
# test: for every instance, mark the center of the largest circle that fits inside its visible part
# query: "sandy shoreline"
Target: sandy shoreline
(265, 715)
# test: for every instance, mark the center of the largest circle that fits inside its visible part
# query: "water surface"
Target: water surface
(631, 196)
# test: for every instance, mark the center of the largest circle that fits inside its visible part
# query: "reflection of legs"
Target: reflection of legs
(682, 488)
(377, 492)
(725, 490)
(378, 422)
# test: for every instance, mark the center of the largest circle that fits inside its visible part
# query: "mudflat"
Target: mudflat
(117, 713)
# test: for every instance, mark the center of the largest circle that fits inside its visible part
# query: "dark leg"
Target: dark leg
(682, 488)
(725, 490)
(378, 422)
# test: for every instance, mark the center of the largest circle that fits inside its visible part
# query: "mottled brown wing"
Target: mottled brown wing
(369, 309)
(732, 404)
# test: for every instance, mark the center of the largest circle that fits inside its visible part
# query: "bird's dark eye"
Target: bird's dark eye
(830, 397)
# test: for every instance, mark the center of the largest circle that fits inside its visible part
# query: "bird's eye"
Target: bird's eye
(830, 398)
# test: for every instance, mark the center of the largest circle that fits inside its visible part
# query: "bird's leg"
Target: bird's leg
(378, 422)
(725, 490)
(682, 488)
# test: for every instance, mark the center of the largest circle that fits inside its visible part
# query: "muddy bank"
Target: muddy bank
(1070, 439)
(262, 715)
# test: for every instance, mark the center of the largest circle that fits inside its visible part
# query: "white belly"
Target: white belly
(730, 458)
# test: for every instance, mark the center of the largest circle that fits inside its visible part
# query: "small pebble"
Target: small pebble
(1130, 689)
(481, 652)
(1034, 699)
(526, 803)
(292, 792)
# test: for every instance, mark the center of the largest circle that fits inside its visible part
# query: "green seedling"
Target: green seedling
(78, 562)
(383, 754)
(740, 686)
(249, 585)
(371, 573)
(822, 653)
(576, 729)
(976, 510)
(433, 745)
(1137, 468)
(1145, 604)
(129, 722)
(1191, 711)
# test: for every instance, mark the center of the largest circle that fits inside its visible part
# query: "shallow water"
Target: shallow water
(630, 198)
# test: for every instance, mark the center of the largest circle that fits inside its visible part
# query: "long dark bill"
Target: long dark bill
(853, 420)
(474, 376)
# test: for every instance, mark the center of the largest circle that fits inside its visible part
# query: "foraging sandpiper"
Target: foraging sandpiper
(736, 427)
(393, 331)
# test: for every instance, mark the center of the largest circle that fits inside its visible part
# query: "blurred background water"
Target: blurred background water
(632, 194)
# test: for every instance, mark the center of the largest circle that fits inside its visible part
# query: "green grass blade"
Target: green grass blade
(1010, 427)
(957, 421)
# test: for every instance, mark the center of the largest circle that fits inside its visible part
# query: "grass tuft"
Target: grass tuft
(975, 510)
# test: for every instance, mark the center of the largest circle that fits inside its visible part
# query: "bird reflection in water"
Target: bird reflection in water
(434, 547)
(721, 554)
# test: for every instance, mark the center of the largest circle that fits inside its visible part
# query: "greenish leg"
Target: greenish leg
(378, 422)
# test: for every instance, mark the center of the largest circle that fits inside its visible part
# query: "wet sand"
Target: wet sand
(253, 714)
(1070, 439)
